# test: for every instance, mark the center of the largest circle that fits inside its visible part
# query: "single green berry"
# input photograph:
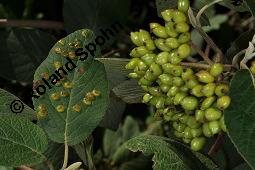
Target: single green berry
(144, 82)
(184, 51)
(177, 81)
(212, 114)
(132, 63)
(160, 103)
(179, 97)
(155, 69)
(197, 91)
(196, 132)
(199, 115)
(207, 102)
(160, 44)
(191, 83)
(197, 143)
(187, 133)
(162, 58)
(208, 89)
(166, 78)
(144, 36)
(177, 70)
(168, 67)
(204, 76)
(192, 123)
(223, 102)
(182, 27)
(206, 130)
(179, 16)
(147, 97)
(142, 66)
(189, 103)
(178, 134)
(179, 126)
(148, 59)
(173, 91)
(150, 76)
(214, 127)
(135, 38)
(172, 43)
(187, 74)
(222, 124)
(170, 30)
(184, 119)
(133, 75)
(221, 89)
(167, 14)
(159, 30)
(174, 59)
(183, 5)
(155, 91)
(216, 69)
(184, 37)
(164, 87)
(149, 44)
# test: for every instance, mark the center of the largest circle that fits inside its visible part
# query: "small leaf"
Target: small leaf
(240, 116)
(68, 124)
(22, 51)
(129, 91)
(21, 142)
(6, 100)
(170, 156)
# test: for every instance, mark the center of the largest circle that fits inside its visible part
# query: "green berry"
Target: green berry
(168, 67)
(135, 38)
(187, 133)
(169, 101)
(189, 103)
(199, 115)
(178, 134)
(132, 63)
(160, 103)
(166, 78)
(196, 132)
(177, 70)
(167, 14)
(184, 89)
(160, 44)
(133, 75)
(183, 5)
(172, 43)
(142, 66)
(206, 130)
(155, 91)
(184, 37)
(164, 87)
(191, 83)
(145, 82)
(174, 59)
(212, 114)
(184, 51)
(179, 16)
(150, 45)
(208, 89)
(223, 102)
(177, 81)
(179, 97)
(170, 30)
(214, 127)
(149, 76)
(162, 58)
(144, 36)
(155, 69)
(207, 102)
(205, 77)
(184, 118)
(192, 123)
(187, 74)
(186, 140)
(197, 143)
(139, 51)
(179, 126)
(182, 27)
(173, 91)
(216, 69)
(221, 89)
(148, 59)
(159, 30)
(197, 90)
(147, 97)
(176, 116)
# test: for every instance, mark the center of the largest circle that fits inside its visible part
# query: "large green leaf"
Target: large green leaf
(230, 4)
(21, 142)
(240, 116)
(95, 15)
(8, 100)
(72, 126)
(22, 50)
(170, 156)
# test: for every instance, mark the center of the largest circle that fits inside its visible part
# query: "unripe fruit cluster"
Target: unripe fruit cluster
(192, 100)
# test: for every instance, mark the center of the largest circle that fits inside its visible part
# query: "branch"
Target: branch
(227, 67)
(46, 24)
(113, 51)
(216, 146)
(201, 53)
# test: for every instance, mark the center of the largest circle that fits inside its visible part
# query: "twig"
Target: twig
(216, 146)
(207, 51)
(227, 67)
(201, 53)
(24, 168)
(46, 24)
(247, 22)
(65, 157)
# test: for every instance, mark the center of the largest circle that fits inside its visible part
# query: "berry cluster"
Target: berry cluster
(192, 99)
